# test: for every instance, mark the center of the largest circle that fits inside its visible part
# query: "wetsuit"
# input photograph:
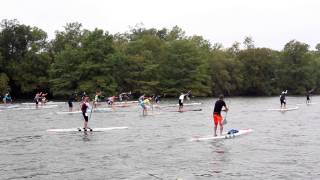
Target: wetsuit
(84, 108)
(283, 99)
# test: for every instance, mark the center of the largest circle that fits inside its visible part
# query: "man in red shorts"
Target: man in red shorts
(217, 118)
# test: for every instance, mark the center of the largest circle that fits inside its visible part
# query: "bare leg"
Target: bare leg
(215, 130)
(221, 129)
(85, 125)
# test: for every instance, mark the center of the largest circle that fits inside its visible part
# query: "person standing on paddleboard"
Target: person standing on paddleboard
(6, 98)
(181, 98)
(308, 96)
(84, 107)
(37, 98)
(283, 98)
(70, 101)
(217, 118)
(142, 103)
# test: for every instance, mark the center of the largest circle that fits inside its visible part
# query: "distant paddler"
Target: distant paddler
(37, 98)
(156, 98)
(6, 98)
(217, 118)
(181, 99)
(283, 98)
(143, 102)
(44, 98)
(97, 98)
(308, 96)
(85, 105)
(111, 100)
(71, 99)
(124, 96)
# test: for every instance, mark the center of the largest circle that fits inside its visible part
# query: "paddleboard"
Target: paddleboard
(186, 104)
(284, 109)
(126, 102)
(120, 105)
(97, 110)
(102, 110)
(69, 112)
(224, 136)
(9, 106)
(92, 129)
(185, 110)
(48, 103)
(39, 107)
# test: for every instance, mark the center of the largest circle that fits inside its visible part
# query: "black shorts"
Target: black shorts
(282, 101)
(86, 118)
(70, 104)
(180, 103)
(308, 98)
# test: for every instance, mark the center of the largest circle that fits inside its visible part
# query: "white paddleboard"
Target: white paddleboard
(49, 103)
(125, 102)
(9, 106)
(224, 136)
(102, 110)
(92, 129)
(284, 109)
(97, 110)
(184, 110)
(186, 104)
(39, 107)
(69, 112)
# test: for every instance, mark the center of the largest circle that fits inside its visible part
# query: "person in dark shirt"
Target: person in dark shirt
(283, 99)
(71, 99)
(84, 107)
(217, 118)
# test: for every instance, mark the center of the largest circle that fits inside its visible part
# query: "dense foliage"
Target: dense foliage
(150, 61)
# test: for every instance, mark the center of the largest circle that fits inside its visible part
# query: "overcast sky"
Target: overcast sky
(271, 23)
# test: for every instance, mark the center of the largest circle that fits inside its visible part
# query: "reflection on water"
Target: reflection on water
(284, 145)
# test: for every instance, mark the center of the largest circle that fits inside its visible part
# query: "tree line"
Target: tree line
(151, 61)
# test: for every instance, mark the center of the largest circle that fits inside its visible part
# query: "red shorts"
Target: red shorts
(217, 119)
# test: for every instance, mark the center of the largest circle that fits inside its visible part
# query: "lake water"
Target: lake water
(284, 145)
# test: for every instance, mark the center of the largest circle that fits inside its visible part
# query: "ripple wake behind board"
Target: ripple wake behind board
(90, 130)
(224, 136)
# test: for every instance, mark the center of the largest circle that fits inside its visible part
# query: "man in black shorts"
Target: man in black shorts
(283, 98)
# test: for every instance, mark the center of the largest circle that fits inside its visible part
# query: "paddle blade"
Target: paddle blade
(224, 122)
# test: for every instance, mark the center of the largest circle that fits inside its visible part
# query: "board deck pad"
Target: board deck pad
(224, 136)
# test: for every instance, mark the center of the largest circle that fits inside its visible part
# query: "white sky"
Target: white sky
(271, 23)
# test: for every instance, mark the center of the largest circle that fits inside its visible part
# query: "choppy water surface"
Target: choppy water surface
(284, 145)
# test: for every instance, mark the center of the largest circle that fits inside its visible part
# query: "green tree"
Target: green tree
(259, 71)
(296, 68)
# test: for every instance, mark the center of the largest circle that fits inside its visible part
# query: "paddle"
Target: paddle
(187, 95)
(225, 118)
(224, 122)
(90, 112)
